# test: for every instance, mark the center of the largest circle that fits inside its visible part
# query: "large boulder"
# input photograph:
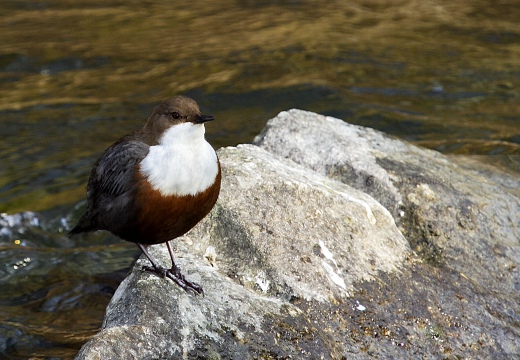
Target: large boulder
(452, 215)
(302, 261)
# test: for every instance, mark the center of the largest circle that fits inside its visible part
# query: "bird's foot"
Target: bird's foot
(175, 275)
(159, 270)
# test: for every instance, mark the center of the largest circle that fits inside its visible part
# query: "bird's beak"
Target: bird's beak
(204, 118)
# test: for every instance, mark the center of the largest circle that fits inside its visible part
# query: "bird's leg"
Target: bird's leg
(157, 269)
(175, 270)
(175, 274)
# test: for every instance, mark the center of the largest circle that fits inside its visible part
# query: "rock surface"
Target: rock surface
(296, 263)
(450, 214)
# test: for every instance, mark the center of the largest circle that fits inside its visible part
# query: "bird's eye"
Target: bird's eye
(175, 115)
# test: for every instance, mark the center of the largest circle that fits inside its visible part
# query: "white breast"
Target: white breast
(183, 163)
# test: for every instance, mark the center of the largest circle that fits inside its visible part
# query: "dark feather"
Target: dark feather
(111, 178)
(113, 173)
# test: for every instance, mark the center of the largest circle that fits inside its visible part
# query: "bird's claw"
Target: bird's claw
(175, 275)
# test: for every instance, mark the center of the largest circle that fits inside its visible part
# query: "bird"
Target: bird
(156, 183)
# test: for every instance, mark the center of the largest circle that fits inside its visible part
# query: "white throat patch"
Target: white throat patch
(183, 163)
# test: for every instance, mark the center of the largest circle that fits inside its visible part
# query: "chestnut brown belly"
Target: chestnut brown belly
(162, 218)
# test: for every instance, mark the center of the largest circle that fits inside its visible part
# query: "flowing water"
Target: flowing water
(74, 77)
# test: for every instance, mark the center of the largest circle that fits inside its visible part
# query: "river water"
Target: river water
(74, 77)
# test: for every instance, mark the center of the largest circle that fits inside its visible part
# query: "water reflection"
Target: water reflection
(76, 76)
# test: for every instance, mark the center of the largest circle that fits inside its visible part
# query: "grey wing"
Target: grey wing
(113, 173)
(108, 187)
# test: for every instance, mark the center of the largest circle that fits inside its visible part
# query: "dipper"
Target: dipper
(156, 183)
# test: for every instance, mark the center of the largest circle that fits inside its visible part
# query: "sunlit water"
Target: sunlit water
(75, 77)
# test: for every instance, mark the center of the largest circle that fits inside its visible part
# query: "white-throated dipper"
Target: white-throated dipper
(156, 183)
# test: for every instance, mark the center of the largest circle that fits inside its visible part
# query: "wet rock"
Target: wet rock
(296, 264)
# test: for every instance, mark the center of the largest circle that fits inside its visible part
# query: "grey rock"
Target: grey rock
(278, 233)
(452, 215)
(295, 233)
(296, 264)
(341, 151)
